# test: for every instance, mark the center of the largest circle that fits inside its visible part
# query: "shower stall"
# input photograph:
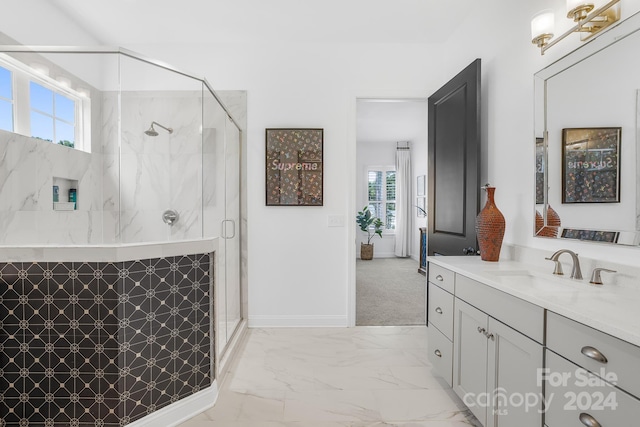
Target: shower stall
(119, 184)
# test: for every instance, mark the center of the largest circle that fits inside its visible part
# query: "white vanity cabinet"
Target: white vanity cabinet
(496, 348)
(495, 367)
(592, 378)
(441, 285)
(530, 352)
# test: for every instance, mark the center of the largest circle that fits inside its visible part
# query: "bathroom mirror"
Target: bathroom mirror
(587, 113)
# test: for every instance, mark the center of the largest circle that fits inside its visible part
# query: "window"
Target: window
(39, 106)
(6, 99)
(381, 188)
(52, 115)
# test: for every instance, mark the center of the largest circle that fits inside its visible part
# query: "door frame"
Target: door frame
(352, 210)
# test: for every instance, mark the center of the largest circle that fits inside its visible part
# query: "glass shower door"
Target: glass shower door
(232, 227)
(221, 212)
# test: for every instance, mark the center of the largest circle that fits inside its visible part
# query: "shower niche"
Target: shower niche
(64, 194)
(156, 160)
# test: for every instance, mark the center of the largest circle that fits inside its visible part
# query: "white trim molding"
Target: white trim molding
(179, 412)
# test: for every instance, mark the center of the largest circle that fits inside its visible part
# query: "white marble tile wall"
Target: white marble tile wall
(334, 377)
(162, 172)
(158, 173)
(27, 169)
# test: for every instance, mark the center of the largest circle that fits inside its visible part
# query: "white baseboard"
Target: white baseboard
(387, 255)
(231, 352)
(297, 321)
(179, 412)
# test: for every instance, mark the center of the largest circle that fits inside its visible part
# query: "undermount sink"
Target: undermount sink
(512, 273)
(532, 279)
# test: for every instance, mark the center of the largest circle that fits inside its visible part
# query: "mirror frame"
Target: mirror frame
(616, 33)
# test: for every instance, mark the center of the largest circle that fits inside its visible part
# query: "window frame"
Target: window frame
(12, 100)
(384, 169)
(22, 76)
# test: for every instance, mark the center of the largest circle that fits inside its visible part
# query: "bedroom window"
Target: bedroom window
(381, 188)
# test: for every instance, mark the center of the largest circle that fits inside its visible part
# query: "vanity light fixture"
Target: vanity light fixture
(589, 21)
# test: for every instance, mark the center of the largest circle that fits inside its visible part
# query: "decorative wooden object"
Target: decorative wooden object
(490, 226)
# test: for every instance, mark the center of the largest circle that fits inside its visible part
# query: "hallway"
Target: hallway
(334, 377)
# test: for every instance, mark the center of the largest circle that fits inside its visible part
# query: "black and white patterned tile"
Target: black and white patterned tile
(100, 344)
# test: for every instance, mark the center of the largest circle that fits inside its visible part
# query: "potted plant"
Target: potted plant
(365, 220)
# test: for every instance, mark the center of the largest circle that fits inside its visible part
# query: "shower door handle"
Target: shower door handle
(224, 229)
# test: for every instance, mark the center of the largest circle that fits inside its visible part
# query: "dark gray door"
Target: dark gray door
(454, 164)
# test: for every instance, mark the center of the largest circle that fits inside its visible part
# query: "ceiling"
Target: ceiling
(135, 22)
(157, 22)
(391, 121)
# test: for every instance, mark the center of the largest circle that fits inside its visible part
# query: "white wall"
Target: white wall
(299, 271)
(299, 266)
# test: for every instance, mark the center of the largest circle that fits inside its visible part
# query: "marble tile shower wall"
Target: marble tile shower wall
(27, 168)
(102, 344)
(158, 173)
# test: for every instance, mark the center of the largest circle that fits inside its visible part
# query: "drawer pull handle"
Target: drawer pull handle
(588, 420)
(489, 336)
(438, 353)
(594, 354)
(438, 310)
(482, 330)
(439, 278)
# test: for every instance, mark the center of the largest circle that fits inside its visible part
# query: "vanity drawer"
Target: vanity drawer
(576, 341)
(442, 277)
(582, 394)
(441, 310)
(519, 314)
(440, 354)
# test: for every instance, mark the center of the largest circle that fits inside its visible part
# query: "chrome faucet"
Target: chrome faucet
(576, 273)
(596, 279)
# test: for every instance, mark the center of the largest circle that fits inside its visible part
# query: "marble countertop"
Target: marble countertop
(613, 309)
(105, 253)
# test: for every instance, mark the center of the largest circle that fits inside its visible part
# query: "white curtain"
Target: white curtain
(403, 202)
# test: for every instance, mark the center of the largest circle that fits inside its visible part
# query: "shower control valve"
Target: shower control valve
(170, 217)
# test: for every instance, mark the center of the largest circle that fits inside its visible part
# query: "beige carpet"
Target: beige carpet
(389, 292)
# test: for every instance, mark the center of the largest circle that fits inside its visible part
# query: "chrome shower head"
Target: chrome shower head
(152, 132)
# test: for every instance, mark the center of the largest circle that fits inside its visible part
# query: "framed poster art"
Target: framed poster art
(591, 165)
(592, 235)
(294, 167)
(540, 170)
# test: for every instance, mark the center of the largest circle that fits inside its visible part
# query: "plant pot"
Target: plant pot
(366, 251)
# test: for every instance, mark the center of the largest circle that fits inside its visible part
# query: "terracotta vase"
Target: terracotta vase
(366, 251)
(490, 226)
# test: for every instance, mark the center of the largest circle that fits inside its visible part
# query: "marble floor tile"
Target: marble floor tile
(334, 377)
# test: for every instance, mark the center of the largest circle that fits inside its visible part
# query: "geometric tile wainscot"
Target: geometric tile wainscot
(102, 344)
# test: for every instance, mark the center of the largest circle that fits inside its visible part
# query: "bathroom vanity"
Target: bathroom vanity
(522, 347)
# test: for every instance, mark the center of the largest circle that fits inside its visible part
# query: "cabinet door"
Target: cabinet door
(512, 378)
(578, 398)
(470, 358)
(440, 353)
